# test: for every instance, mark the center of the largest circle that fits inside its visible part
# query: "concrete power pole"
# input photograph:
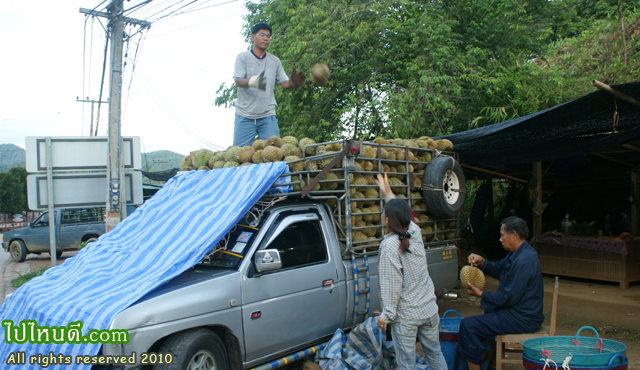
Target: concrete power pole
(115, 167)
(116, 197)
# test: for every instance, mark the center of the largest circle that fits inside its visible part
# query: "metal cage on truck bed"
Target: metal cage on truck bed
(332, 172)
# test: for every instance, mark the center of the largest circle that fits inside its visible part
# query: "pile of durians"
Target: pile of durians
(365, 200)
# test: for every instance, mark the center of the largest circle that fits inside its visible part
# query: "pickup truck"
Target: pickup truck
(284, 279)
(73, 226)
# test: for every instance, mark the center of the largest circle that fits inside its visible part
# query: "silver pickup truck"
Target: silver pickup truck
(73, 226)
(297, 266)
(280, 287)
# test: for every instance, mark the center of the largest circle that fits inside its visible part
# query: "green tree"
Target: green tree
(407, 68)
(13, 191)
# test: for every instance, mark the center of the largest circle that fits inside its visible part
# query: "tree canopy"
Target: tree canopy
(13, 191)
(411, 68)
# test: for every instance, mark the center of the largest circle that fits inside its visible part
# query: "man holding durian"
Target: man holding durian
(516, 307)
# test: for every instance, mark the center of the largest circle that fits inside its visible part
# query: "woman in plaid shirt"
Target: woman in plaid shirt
(406, 289)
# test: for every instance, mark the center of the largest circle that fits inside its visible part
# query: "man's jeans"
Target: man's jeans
(404, 342)
(244, 129)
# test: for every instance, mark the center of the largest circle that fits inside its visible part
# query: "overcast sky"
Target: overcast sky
(180, 65)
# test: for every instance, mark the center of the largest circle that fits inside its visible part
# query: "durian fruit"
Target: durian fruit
(230, 154)
(369, 231)
(396, 182)
(257, 157)
(272, 153)
(380, 140)
(258, 144)
(358, 183)
(329, 185)
(358, 236)
(304, 142)
(295, 165)
(290, 140)
(383, 153)
(203, 168)
(244, 154)
(367, 218)
(376, 217)
(247, 164)
(274, 141)
(186, 168)
(368, 166)
(201, 158)
(441, 145)
(448, 145)
(372, 194)
(218, 164)
(473, 275)
(218, 156)
(368, 152)
(333, 147)
(231, 164)
(186, 161)
(300, 186)
(290, 150)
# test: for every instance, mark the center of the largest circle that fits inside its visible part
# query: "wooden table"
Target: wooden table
(597, 258)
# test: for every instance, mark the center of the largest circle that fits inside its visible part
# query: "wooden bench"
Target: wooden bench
(502, 340)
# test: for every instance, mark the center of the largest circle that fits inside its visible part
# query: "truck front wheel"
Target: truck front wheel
(199, 349)
(18, 251)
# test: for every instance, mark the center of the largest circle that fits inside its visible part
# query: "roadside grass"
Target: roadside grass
(24, 278)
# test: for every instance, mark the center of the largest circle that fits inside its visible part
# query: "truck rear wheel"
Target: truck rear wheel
(18, 251)
(199, 349)
(444, 187)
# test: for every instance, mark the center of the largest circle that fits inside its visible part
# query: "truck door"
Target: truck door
(297, 304)
(37, 239)
(71, 228)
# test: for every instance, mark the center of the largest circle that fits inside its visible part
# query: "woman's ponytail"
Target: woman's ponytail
(399, 215)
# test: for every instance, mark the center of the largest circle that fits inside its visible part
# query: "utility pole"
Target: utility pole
(92, 104)
(116, 198)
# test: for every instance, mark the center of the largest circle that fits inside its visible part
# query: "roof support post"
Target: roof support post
(635, 210)
(537, 198)
(490, 204)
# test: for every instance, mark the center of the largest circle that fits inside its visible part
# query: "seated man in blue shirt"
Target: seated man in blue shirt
(516, 307)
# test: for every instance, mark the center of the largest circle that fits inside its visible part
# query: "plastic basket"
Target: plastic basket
(617, 362)
(585, 351)
(449, 327)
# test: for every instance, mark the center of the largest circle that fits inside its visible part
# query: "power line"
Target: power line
(104, 68)
(172, 115)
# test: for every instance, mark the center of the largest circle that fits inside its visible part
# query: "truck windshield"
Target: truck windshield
(230, 251)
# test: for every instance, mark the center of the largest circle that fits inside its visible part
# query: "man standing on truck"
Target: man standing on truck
(256, 73)
(406, 289)
(516, 307)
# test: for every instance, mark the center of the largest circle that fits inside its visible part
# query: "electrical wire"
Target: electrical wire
(104, 68)
(213, 19)
(133, 66)
(170, 114)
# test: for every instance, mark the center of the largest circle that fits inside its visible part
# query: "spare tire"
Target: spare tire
(443, 187)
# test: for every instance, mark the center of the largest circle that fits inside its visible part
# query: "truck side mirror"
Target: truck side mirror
(267, 260)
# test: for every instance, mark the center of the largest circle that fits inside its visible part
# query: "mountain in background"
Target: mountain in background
(160, 160)
(13, 156)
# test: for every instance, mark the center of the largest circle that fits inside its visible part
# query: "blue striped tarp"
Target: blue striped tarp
(364, 348)
(169, 234)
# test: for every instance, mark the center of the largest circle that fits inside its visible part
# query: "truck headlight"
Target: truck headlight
(113, 349)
